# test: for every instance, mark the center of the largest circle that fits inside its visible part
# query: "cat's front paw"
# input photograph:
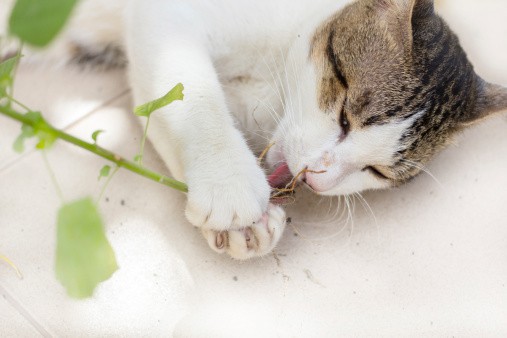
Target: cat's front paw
(235, 195)
(256, 240)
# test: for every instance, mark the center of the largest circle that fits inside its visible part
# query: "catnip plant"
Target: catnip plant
(84, 256)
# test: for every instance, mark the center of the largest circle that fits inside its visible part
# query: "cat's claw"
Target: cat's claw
(256, 240)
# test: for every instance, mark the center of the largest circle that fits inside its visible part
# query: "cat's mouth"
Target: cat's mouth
(281, 177)
(283, 182)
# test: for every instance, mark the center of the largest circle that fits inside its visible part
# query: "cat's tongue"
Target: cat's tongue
(280, 177)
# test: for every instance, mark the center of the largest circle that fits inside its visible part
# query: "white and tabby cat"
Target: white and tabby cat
(362, 92)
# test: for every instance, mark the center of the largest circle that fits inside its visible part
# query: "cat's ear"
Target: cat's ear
(491, 99)
(401, 16)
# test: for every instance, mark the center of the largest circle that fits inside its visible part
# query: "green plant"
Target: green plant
(84, 257)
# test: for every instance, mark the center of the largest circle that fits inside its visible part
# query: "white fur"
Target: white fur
(247, 77)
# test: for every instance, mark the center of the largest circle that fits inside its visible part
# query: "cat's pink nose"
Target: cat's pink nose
(314, 181)
(309, 182)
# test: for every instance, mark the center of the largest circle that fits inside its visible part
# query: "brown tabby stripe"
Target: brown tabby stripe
(446, 91)
(335, 61)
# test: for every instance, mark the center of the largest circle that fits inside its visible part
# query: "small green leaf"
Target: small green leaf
(7, 66)
(6, 69)
(84, 257)
(26, 132)
(174, 94)
(37, 22)
(95, 134)
(138, 158)
(40, 129)
(19, 144)
(46, 139)
(104, 172)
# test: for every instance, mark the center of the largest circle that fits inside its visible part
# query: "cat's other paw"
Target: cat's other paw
(256, 240)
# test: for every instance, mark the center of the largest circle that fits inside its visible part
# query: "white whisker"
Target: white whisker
(423, 169)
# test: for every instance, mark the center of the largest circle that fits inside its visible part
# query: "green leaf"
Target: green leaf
(37, 22)
(7, 66)
(6, 77)
(84, 257)
(47, 136)
(36, 117)
(95, 134)
(174, 94)
(40, 129)
(46, 139)
(26, 132)
(104, 172)
(138, 158)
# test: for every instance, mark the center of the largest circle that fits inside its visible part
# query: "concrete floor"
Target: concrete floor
(429, 259)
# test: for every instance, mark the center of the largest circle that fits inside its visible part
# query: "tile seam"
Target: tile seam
(24, 312)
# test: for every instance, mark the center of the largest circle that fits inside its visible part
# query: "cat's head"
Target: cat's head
(373, 93)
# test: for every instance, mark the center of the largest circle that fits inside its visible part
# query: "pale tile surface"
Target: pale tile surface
(12, 323)
(65, 95)
(432, 262)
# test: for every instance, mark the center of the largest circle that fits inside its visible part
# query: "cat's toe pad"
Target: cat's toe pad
(256, 240)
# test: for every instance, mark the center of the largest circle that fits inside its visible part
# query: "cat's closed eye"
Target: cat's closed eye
(376, 172)
(344, 122)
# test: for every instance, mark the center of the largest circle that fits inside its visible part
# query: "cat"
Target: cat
(354, 95)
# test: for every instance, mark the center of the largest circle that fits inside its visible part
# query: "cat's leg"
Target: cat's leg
(228, 192)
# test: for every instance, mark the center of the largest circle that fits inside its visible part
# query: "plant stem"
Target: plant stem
(93, 148)
(12, 265)
(18, 55)
(143, 141)
(53, 177)
(12, 99)
(103, 190)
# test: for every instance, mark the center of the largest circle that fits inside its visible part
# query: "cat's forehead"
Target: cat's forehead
(355, 57)
(362, 38)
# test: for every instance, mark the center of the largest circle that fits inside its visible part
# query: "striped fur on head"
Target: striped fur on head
(385, 61)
